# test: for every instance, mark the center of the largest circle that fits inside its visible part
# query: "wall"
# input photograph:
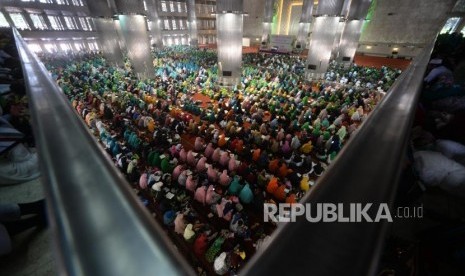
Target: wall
(413, 21)
(385, 50)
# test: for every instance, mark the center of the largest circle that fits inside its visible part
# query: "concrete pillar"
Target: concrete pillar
(267, 21)
(304, 24)
(192, 23)
(136, 36)
(102, 12)
(135, 33)
(229, 24)
(109, 40)
(129, 7)
(337, 38)
(352, 30)
(121, 41)
(325, 26)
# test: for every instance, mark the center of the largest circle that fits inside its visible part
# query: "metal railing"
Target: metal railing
(98, 224)
(366, 171)
(100, 228)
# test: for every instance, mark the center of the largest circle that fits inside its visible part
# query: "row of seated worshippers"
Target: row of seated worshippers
(208, 176)
(380, 79)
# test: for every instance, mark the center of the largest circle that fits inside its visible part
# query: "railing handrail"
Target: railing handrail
(99, 226)
(366, 171)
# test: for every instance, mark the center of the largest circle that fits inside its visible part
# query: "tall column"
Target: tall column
(134, 30)
(337, 38)
(340, 29)
(352, 30)
(155, 23)
(109, 40)
(267, 21)
(325, 26)
(229, 24)
(121, 41)
(304, 25)
(102, 14)
(192, 23)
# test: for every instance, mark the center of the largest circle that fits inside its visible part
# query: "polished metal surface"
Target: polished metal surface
(358, 9)
(109, 40)
(330, 7)
(269, 11)
(137, 41)
(98, 225)
(130, 7)
(100, 8)
(366, 170)
(192, 23)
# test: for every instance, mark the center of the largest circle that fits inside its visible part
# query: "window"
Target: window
(34, 47)
(93, 46)
(182, 26)
(451, 24)
(55, 22)
(172, 7)
(62, 2)
(179, 7)
(51, 48)
(173, 23)
(163, 6)
(46, 1)
(69, 22)
(65, 47)
(38, 21)
(78, 46)
(166, 24)
(83, 22)
(19, 21)
(3, 22)
(89, 23)
(77, 2)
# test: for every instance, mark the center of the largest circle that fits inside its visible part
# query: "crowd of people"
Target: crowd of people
(439, 136)
(204, 158)
(435, 178)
